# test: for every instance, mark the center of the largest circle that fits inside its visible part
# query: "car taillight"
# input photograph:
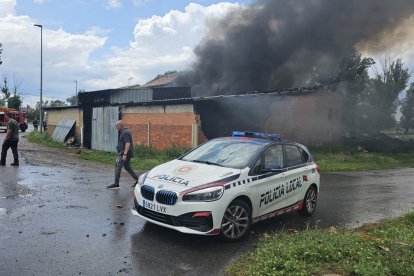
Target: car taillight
(318, 168)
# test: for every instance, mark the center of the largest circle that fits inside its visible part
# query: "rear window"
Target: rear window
(305, 156)
(293, 156)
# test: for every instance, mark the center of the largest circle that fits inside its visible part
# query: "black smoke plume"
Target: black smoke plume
(276, 44)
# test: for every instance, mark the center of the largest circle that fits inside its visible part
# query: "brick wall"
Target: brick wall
(168, 125)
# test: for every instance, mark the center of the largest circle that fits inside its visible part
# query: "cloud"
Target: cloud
(113, 4)
(65, 55)
(7, 7)
(39, 1)
(161, 43)
(139, 2)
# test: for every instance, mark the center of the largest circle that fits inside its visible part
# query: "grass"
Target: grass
(334, 160)
(383, 249)
(329, 159)
(145, 158)
(43, 139)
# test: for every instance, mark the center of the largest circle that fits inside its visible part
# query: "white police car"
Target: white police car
(226, 184)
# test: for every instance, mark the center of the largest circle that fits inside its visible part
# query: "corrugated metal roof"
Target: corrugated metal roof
(123, 96)
(62, 130)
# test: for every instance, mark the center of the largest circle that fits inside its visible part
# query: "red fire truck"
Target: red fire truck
(20, 117)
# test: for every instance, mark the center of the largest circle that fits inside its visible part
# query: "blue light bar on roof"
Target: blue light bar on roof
(250, 134)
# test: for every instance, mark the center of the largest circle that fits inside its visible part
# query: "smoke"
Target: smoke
(276, 44)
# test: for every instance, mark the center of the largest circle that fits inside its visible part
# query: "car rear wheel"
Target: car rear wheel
(309, 202)
(236, 221)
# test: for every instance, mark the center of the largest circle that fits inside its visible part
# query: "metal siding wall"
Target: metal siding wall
(104, 133)
(122, 96)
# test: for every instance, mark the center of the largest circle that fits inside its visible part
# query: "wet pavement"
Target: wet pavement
(57, 218)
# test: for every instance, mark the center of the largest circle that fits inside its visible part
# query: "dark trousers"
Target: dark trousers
(127, 166)
(6, 145)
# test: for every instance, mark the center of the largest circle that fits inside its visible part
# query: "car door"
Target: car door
(267, 189)
(295, 171)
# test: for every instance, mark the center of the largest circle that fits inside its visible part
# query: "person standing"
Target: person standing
(35, 124)
(11, 141)
(125, 153)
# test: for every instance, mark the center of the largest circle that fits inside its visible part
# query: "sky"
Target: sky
(100, 43)
(105, 44)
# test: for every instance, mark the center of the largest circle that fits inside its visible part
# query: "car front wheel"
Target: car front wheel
(309, 202)
(236, 221)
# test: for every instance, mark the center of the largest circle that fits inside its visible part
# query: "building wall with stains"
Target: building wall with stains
(54, 116)
(312, 117)
(164, 126)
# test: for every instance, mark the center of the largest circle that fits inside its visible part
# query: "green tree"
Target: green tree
(73, 100)
(14, 102)
(350, 77)
(55, 103)
(407, 110)
(5, 88)
(1, 50)
(381, 97)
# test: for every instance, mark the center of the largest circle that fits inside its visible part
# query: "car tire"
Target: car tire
(309, 201)
(236, 222)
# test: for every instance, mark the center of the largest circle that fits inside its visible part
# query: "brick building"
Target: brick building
(168, 116)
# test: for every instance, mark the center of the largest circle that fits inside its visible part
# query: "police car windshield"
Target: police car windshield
(225, 153)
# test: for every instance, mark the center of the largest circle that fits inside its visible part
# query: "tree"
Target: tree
(407, 110)
(52, 103)
(350, 77)
(73, 100)
(381, 96)
(1, 50)
(14, 102)
(5, 91)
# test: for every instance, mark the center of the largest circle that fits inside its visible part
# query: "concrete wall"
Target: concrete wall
(164, 126)
(54, 116)
(314, 119)
(311, 117)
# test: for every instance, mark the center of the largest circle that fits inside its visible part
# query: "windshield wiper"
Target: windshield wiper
(206, 162)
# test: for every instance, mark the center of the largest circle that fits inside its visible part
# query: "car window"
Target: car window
(273, 158)
(293, 156)
(305, 156)
(225, 152)
(257, 168)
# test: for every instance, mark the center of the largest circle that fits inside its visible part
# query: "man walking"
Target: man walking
(125, 153)
(11, 141)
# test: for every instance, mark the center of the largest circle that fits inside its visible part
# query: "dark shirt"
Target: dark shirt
(125, 137)
(35, 123)
(14, 126)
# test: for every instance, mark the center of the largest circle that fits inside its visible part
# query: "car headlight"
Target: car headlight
(209, 194)
(141, 179)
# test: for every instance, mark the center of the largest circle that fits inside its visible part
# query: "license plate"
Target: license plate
(154, 207)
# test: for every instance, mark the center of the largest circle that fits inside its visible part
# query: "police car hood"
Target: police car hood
(179, 175)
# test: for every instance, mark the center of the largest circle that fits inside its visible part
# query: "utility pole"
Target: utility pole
(41, 76)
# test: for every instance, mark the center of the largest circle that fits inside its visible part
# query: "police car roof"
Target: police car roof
(260, 140)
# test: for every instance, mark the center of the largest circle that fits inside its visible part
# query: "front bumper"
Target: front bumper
(196, 222)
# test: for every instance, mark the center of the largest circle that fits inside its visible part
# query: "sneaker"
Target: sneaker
(14, 164)
(113, 187)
